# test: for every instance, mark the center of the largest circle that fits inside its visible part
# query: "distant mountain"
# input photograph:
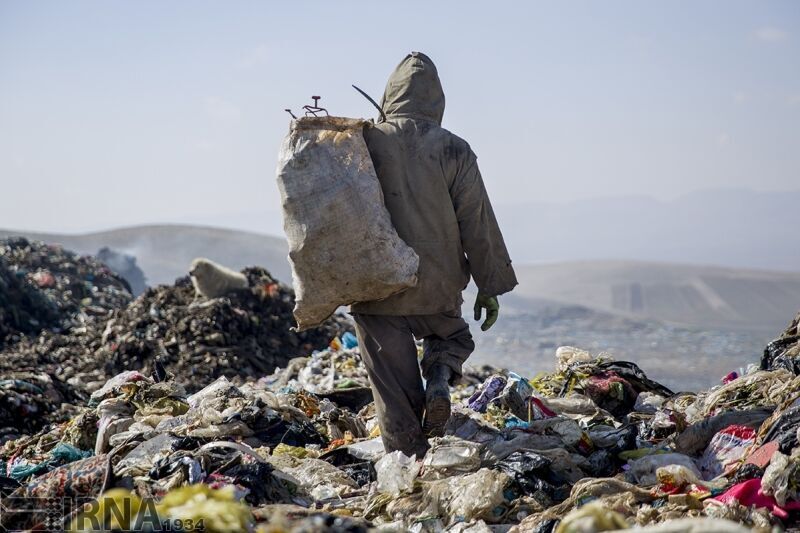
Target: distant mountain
(733, 228)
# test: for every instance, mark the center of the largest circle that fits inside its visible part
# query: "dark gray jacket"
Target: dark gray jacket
(435, 195)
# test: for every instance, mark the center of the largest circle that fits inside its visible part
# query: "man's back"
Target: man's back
(435, 196)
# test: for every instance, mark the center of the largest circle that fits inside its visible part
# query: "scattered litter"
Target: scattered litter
(98, 331)
(177, 409)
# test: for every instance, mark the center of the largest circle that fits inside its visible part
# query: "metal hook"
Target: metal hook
(313, 110)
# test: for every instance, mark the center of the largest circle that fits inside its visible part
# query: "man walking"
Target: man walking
(439, 206)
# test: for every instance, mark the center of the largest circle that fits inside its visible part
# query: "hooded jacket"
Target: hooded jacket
(435, 195)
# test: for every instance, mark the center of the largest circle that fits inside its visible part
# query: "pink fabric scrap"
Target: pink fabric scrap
(730, 377)
(749, 493)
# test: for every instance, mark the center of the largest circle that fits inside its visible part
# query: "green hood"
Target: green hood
(414, 90)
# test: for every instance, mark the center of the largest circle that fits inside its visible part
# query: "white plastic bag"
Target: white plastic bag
(466, 497)
(679, 476)
(396, 473)
(644, 469)
(568, 355)
(450, 456)
(343, 247)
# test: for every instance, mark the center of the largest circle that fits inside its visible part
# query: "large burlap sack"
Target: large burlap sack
(342, 246)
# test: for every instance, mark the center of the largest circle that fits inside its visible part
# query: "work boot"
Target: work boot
(437, 400)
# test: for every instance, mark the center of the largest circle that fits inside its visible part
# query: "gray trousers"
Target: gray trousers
(390, 356)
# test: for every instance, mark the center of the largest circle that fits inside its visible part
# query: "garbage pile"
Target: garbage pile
(95, 332)
(24, 310)
(594, 445)
(47, 287)
(784, 352)
(245, 334)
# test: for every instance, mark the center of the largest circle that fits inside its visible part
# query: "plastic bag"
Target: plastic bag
(529, 470)
(368, 450)
(568, 430)
(785, 429)
(343, 248)
(219, 389)
(451, 456)
(725, 450)
(568, 355)
(113, 385)
(697, 436)
(519, 384)
(778, 478)
(321, 479)
(396, 472)
(141, 459)
(578, 407)
(467, 497)
(678, 476)
(648, 402)
(349, 340)
(487, 392)
(644, 469)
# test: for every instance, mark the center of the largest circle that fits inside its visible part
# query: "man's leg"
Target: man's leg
(446, 341)
(390, 356)
(447, 344)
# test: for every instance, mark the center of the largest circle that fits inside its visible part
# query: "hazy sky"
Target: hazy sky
(116, 113)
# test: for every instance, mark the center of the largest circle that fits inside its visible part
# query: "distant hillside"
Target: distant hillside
(736, 228)
(165, 252)
(733, 228)
(697, 296)
(683, 358)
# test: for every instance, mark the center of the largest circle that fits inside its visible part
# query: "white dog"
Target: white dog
(213, 280)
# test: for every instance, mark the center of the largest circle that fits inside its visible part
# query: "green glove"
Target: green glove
(492, 307)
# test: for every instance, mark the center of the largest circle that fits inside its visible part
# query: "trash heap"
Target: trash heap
(594, 445)
(82, 328)
(244, 335)
(47, 287)
(784, 352)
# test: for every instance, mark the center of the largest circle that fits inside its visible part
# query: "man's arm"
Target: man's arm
(481, 238)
